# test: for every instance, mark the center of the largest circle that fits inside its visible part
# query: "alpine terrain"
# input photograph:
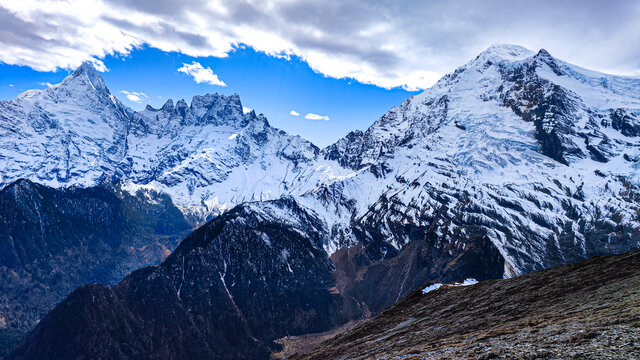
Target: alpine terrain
(95, 185)
(514, 162)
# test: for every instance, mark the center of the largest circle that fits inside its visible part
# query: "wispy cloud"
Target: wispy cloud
(134, 96)
(201, 74)
(311, 116)
(10, 85)
(294, 113)
(47, 84)
(99, 65)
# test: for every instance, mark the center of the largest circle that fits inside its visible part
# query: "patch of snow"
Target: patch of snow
(431, 288)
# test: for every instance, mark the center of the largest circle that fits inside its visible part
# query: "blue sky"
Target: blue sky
(270, 85)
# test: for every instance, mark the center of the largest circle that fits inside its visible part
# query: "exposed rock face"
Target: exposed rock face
(250, 276)
(625, 122)
(586, 309)
(54, 240)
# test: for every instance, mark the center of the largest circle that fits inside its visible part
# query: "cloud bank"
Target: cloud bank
(388, 44)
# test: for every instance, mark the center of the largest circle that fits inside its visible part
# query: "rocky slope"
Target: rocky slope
(588, 309)
(229, 289)
(54, 240)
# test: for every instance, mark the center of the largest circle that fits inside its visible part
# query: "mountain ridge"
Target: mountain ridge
(54, 240)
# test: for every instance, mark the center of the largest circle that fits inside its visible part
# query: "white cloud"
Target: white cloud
(245, 110)
(201, 74)
(387, 44)
(134, 96)
(10, 85)
(294, 113)
(47, 84)
(99, 65)
(311, 116)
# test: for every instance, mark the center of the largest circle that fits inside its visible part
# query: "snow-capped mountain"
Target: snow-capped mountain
(72, 133)
(208, 155)
(539, 156)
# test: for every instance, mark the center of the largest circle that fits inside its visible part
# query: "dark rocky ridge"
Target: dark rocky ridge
(53, 240)
(588, 309)
(376, 284)
(248, 277)
(230, 288)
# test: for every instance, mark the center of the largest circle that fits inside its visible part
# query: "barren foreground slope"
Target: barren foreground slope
(589, 309)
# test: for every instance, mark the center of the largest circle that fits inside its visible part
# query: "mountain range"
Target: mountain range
(514, 162)
(208, 156)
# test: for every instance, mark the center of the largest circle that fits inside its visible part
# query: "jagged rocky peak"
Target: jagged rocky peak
(217, 109)
(87, 74)
(168, 106)
(210, 109)
(85, 87)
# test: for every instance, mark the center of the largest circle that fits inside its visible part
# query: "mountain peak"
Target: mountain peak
(508, 52)
(543, 56)
(543, 52)
(217, 109)
(86, 73)
(168, 106)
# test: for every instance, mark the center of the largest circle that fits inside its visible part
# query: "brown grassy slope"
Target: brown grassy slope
(589, 309)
